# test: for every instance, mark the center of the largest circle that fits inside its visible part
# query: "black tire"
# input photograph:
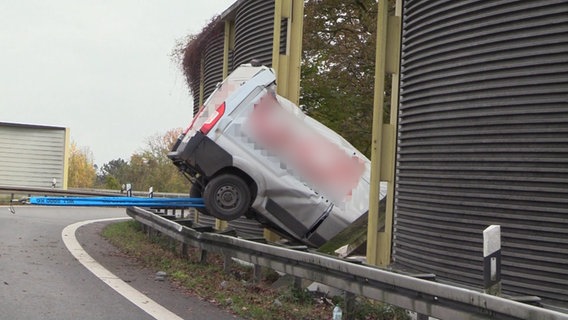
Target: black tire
(227, 197)
(196, 192)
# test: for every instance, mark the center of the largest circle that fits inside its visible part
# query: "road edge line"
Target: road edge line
(136, 297)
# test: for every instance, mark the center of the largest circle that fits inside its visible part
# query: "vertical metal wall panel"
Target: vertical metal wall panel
(213, 70)
(283, 36)
(195, 94)
(231, 59)
(483, 139)
(244, 227)
(254, 31)
(31, 156)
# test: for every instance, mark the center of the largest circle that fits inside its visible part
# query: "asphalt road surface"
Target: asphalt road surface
(41, 279)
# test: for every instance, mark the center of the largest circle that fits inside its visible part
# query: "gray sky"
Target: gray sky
(101, 68)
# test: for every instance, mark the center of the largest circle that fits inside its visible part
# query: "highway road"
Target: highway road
(44, 271)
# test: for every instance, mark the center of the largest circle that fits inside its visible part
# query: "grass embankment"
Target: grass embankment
(233, 290)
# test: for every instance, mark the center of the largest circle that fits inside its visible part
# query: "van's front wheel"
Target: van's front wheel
(227, 197)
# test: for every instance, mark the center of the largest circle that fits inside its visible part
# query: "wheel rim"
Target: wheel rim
(227, 197)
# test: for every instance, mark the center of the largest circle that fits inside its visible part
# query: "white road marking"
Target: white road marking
(136, 297)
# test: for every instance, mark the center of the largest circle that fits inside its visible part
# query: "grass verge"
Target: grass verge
(234, 290)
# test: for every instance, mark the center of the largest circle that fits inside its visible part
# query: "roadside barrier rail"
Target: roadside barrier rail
(78, 192)
(94, 197)
(425, 297)
(114, 201)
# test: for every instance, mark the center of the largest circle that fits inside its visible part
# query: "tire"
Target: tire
(196, 192)
(227, 197)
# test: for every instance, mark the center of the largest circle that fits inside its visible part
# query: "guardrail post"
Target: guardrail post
(492, 260)
(429, 277)
(349, 309)
(151, 232)
(195, 214)
(184, 250)
(297, 283)
(422, 317)
(203, 256)
(256, 273)
(227, 263)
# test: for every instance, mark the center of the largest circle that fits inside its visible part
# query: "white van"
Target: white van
(251, 152)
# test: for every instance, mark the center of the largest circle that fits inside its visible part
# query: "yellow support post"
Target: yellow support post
(394, 38)
(201, 101)
(201, 82)
(226, 44)
(379, 238)
(376, 141)
(294, 45)
(287, 65)
(229, 42)
(276, 65)
(66, 157)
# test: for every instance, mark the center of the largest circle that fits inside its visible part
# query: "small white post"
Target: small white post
(492, 259)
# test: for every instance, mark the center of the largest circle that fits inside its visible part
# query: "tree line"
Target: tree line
(148, 168)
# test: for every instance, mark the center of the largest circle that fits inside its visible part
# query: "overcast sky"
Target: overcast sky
(101, 68)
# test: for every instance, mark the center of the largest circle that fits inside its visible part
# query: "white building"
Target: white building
(33, 155)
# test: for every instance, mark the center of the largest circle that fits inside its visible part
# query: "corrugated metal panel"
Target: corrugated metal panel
(31, 156)
(483, 139)
(254, 30)
(195, 83)
(213, 70)
(231, 58)
(283, 35)
(244, 227)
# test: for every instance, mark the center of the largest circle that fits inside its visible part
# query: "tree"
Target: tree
(82, 173)
(338, 67)
(114, 173)
(148, 168)
(154, 167)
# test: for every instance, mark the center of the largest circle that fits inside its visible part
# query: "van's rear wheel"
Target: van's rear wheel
(227, 197)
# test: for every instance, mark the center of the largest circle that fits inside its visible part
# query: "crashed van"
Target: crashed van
(250, 152)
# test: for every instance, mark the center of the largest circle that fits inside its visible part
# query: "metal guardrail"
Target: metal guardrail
(14, 191)
(54, 191)
(422, 296)
(78, 192)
